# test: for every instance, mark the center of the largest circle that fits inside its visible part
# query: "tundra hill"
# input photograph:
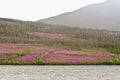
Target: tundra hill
(97, 16)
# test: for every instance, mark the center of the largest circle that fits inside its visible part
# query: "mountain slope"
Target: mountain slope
(98, 16)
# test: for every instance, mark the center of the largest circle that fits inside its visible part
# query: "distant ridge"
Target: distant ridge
(97, 16)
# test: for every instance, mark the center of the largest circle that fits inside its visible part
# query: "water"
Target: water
(59, 72)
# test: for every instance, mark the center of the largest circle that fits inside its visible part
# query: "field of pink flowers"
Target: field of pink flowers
(49, 35)
(78, 57)
(27, 42)
(21, 53)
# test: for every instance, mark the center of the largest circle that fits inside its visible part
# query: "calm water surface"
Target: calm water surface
(59, 72)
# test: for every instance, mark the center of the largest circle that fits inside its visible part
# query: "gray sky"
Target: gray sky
(39, 9)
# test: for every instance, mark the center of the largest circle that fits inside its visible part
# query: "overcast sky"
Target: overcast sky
(39, 9)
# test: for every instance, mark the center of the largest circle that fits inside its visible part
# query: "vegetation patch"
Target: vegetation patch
(39, 43)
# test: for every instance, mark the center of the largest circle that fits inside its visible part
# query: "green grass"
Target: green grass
(63, 63)
(24, 53)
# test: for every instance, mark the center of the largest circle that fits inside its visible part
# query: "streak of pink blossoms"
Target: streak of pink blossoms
(28, 58)
(63, 56)
(49, 35)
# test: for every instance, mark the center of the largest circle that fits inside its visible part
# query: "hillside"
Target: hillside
(97, 16)
(27, 42)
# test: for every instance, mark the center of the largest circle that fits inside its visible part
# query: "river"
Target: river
(60, 72)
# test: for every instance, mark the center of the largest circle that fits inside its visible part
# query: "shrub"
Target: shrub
(114, 50)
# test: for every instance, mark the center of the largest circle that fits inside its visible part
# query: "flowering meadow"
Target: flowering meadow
(25, 42)
(20, 53)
